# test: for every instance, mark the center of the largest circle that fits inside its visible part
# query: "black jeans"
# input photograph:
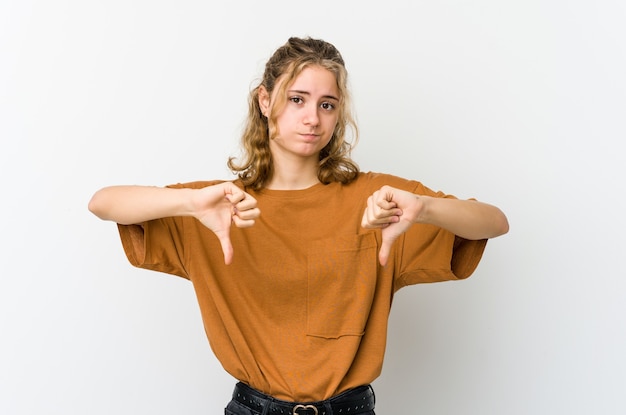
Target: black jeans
(249, 401)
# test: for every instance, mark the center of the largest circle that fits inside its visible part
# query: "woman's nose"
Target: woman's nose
(311, 115)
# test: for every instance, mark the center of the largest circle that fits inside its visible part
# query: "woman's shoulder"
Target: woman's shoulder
(376, 180)
(199, 184)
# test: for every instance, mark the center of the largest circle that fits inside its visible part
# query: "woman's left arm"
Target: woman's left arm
(395, 211)
(468, 219)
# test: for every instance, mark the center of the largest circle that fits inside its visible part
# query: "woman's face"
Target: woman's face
(307, 122)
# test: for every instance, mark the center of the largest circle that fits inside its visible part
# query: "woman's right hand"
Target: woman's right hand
(219, 206)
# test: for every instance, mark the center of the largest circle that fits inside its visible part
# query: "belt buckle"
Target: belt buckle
(305, 407)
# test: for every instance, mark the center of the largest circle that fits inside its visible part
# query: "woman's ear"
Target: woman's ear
(264, 100)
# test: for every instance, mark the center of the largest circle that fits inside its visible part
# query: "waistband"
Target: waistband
(353, 401)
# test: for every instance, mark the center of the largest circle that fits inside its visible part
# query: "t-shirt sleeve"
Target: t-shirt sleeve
(155, 245)
(159, 245)
(431, 254)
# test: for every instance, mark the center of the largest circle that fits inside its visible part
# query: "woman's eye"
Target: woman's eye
(328, 106)
(296, 100)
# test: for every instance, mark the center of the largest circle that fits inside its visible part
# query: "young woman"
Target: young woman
(295, 297)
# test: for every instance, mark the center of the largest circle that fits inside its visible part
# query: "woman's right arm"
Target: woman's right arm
(216, 207)
(129, 205)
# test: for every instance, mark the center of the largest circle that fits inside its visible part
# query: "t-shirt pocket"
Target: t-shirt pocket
(341, 285)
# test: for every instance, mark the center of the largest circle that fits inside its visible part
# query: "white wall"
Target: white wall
(518, 103)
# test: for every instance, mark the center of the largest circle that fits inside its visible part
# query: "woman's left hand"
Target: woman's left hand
(394, 211)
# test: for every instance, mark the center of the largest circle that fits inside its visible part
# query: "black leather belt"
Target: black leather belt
(353, 401)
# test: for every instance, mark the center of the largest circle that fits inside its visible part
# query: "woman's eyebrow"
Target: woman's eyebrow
(297, 91)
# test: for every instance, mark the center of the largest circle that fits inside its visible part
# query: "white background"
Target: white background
(518, 103)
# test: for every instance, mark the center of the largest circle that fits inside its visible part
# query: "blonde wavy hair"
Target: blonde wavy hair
(255, 168)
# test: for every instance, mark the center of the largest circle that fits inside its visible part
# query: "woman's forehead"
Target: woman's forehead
(316, 80)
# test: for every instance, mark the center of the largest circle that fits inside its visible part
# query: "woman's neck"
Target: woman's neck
(293, 176)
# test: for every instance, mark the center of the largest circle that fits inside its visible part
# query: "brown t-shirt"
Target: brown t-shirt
(302, 311)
